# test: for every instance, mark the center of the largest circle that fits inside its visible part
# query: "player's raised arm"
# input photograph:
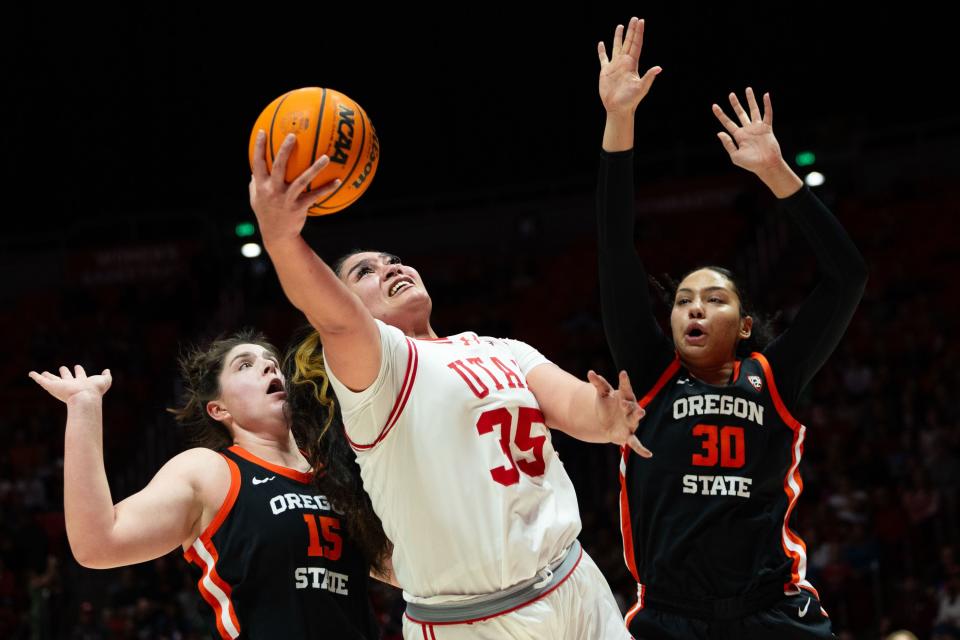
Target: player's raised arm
(347, 329)
(148, 524)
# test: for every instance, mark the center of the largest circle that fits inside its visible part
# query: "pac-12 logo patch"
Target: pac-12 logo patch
(756, 382)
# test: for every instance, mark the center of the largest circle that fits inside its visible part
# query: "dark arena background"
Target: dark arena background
(125, 164)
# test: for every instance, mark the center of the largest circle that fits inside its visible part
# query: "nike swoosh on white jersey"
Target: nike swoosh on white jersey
(803, 611)
(259, 481)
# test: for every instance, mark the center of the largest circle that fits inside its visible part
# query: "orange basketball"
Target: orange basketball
(325, 122)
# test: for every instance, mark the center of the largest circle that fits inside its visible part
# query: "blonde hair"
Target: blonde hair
(317, 424)
(309, 370)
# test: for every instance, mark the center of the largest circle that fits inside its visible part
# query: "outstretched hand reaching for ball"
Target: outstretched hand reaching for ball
(281, 208)
(618, 412)
(621, 85)
(753, 146)
(68, 386)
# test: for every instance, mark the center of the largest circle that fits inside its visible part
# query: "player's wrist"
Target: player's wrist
(85, 399)
(280, 242)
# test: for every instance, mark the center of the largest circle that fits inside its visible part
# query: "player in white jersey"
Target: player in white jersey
(452, 439)
(452, 445)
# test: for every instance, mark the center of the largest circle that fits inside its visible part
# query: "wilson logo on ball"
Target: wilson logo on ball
(371, 163)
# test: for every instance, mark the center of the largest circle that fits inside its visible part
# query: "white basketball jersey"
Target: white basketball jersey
(459, 465)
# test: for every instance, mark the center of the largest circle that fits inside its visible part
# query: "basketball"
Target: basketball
(325, 122)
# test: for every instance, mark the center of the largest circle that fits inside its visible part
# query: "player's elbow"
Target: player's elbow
(86, 564)
(848, 280)
(95, 561)
(89, 559)
(92, 554)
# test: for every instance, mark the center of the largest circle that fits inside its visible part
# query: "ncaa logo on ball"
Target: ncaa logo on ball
(344, 139)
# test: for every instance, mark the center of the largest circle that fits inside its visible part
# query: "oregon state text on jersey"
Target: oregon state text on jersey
(275, 562)
(459, 465)
(709, 515)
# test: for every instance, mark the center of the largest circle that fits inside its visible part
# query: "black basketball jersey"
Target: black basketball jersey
(275, 561)
(709, 515)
